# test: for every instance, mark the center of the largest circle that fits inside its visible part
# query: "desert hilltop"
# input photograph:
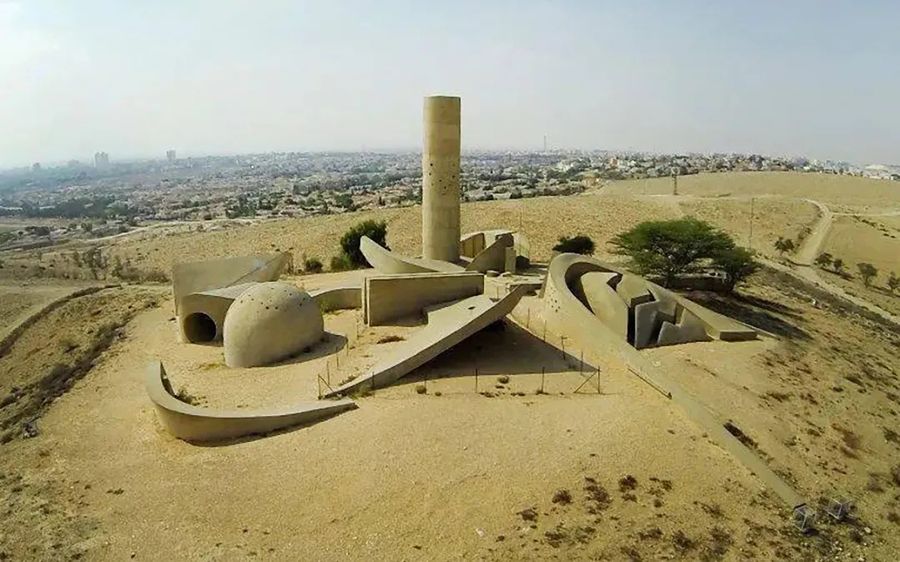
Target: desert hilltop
(470, 392)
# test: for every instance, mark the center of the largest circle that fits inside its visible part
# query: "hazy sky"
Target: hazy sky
(133, 78)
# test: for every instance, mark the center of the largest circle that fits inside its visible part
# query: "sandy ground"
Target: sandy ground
(452, 474)
(875, 240)
(406, 476)
(20, 300)
(849, 193)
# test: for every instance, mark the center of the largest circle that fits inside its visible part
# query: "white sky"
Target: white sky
(814, 77)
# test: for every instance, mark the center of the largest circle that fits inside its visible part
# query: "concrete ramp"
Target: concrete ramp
(447, 326)
(195, 424)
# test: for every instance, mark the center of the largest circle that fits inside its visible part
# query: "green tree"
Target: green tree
(375, 230)
(893, 282)
(824, 260)
(578, 244)
(783, 245)
(344, 200)
(867, 271)
(737, 263)
(671, 248)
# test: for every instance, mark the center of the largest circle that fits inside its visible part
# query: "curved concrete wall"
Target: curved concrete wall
(337, 298)
(447, 326)
(440, 179)
(386, 261)
(195, 424)
(566, 315)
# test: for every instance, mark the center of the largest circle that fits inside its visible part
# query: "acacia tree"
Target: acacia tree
(838, 266)
(867, 271)
(783, 245)
(737, 263)
(824, 260)
(672, 248)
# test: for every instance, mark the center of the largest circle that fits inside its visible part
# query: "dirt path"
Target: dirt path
(807, 273)
(811, 245)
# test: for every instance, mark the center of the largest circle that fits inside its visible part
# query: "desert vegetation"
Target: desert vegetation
(670, 249)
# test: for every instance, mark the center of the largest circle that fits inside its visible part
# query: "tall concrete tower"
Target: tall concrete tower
(440, 179)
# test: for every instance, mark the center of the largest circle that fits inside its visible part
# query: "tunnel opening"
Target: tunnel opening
(199, 328)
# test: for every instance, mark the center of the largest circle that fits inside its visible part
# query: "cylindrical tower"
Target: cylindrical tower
(440, 179)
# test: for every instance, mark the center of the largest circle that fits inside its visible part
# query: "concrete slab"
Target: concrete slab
(688, 329)
(196, 277)
(633, 290)
(447, 326)
(646, 322)
(389, 297)
(494, 256)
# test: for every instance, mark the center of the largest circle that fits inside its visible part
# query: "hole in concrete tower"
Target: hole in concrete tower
(199, 328)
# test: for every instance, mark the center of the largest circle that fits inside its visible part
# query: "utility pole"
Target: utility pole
(545, 143)
(750, 237)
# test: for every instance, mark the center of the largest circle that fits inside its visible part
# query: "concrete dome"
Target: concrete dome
(269, 322)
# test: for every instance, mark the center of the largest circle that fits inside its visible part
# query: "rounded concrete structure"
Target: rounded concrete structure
(440, 179)
(269, 322)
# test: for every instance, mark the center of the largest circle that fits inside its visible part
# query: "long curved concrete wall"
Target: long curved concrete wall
(199, 425)
(386, 261)
(447, 326)
(566, 315)
(337, 298)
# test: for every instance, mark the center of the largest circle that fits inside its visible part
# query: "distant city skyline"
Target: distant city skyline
(803, 78)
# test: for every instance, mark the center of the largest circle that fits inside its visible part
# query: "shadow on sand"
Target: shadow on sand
(776, 318)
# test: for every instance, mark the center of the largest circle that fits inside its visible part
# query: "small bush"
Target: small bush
(579, 244)
(340, 263)
(420, 389)
(375, 230)
(391, 338)
(562, 496)
(312, 265)
(867, 271)
(503, 379)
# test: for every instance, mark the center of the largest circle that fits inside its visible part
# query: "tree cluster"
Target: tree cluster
(672, 248)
